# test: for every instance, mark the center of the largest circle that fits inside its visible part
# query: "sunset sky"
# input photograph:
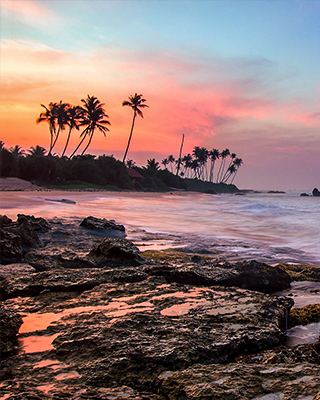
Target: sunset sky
(243, 75)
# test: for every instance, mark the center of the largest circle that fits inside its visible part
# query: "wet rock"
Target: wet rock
(38, 224)
(101, 224)
(304, 195)
(316, 192)
(16, 238)
(15, 269)
(248, 275)
(242, 381)
(115, 252)
(155, 327)
(10, 322)
(63, 280)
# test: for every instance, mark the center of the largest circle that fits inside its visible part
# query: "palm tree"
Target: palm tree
(37, 151)
(2, 145)
(165, 162)
(224, 154)
(93, 117)
(152, 165)
(237, 163)
(214, 154)
(49, 116)
(61, 113)
(233, 156)
(171, 161)
(72, 119)
(135, 102)
(17, 151)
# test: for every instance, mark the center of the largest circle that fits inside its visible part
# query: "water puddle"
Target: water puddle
(37, 344)
(67, 375)
(303, 293)
(307, 334)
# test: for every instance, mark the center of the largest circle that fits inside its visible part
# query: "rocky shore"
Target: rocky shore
(85, 315)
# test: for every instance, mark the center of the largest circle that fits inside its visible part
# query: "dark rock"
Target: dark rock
(115, 252)
(16, 238)
(101, 223)
(10, 322)
(248, 275)
(38, 224)
(64, 280)
(304, 195)
(15, 269)
(316, 192)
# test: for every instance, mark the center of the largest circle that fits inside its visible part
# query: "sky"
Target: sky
(236, 74)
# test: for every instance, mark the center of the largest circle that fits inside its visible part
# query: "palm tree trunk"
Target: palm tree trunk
(67, 142)
(88, 144)
(130, 136)
(179, 159)
(55, 140)
(76, 149)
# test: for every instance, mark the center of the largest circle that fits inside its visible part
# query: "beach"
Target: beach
(159, 295)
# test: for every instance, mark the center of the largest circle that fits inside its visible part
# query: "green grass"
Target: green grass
(83, 186)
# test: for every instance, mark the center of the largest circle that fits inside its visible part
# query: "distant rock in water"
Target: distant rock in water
(304, 195)
(316, 192)
(66, 201)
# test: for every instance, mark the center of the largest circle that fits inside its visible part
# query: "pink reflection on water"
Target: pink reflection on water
(37, 344)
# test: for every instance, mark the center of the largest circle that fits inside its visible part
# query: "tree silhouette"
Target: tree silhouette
(135, 102)
(49, 116)
(93, 117)
(73, 120)
(37, 151)
(17, 151)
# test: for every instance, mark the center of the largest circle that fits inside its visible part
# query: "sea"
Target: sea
(267, 227)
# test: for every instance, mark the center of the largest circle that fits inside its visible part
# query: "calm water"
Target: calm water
(265, 227)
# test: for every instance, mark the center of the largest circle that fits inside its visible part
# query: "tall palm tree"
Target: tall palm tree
(224, 154)
(61, 113)
(93, 117)
(214, 154)
(233, 156)
(135, 102)
(237, 163)
(72, 119)
(49, 116)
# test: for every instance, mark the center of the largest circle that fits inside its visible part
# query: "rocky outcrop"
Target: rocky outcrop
(248, 275)
(102, 322)
(316, 192)
(115, 252)
(38, 224)
(16, 238)
(101, 224)
(10, 322)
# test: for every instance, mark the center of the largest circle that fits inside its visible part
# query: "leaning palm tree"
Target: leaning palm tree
(93, 117)
(135, 102)
(224, 154)
(72, 119)
(214, 154)
(49, 116)
(61, 113)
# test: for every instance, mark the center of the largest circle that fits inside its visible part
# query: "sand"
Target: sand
(16, 184)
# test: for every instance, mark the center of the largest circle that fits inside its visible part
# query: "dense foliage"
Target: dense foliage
(39, 167)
